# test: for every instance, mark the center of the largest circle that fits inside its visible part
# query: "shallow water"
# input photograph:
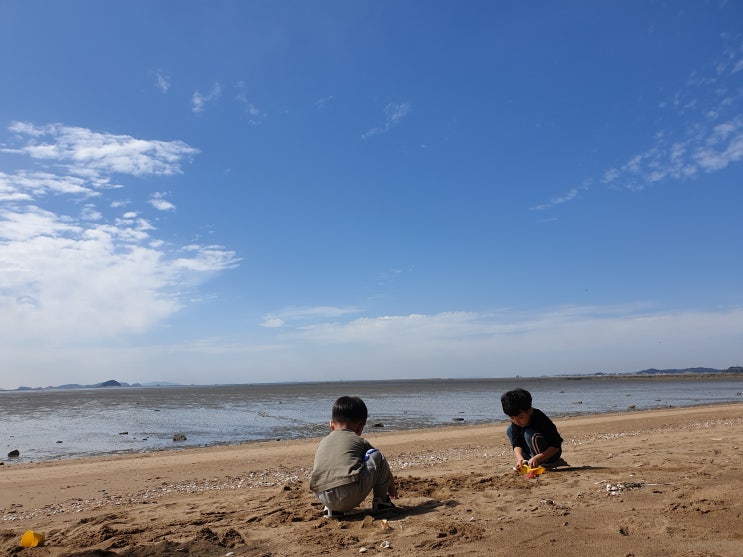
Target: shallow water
(54, 424)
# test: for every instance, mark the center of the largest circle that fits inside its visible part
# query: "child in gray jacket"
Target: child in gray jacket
(347, 467)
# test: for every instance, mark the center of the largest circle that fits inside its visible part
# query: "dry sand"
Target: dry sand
(658, 483)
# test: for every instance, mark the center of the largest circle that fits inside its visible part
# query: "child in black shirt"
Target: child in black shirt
(533, 436)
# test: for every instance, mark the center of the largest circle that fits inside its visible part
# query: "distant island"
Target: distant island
(103, 385)
(112, 383)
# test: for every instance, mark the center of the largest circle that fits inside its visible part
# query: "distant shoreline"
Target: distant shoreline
(644, 375)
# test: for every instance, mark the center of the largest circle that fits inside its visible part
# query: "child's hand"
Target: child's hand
(534, 462)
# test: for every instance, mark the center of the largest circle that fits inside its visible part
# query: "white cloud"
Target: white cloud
(162, 81)
(272, 323)
(68, 276)
(394, 112)
(95, 155)
(25, 186)
(199, 100)
(159, 202)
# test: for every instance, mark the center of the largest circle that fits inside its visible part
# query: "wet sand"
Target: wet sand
(660, 482)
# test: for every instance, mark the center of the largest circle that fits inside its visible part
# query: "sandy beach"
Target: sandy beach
(653, 483)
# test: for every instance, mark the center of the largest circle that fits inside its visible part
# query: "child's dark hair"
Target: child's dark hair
(516, 401)
(350, 410)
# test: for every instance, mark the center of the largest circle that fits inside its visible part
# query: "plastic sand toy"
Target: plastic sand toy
(528, 471)
(32, 539)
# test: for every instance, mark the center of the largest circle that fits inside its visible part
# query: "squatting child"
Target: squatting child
(533, 436)
(347, 467)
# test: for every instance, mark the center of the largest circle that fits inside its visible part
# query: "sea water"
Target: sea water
(58, 423)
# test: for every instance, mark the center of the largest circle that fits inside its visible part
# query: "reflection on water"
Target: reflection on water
(53, 424)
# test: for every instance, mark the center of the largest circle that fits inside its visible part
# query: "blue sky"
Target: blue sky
(243, 191)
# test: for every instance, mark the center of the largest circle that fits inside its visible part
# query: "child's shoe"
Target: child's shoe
(327, 513)
(380, 504)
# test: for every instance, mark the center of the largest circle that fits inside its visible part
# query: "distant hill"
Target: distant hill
(111, 383)
(104, 384)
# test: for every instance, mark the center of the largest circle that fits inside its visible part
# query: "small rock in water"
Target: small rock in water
(457, 419)
(123, 433)
(378, 424)
(15, 453)
(179, 437)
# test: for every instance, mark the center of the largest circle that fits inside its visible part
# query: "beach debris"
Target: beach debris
(32, 539)
(620, 487)
(385, 544)
(363, 549)
(15, 453)
(179, 437)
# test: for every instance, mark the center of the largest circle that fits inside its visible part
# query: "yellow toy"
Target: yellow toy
(529, 472)
(32, 539)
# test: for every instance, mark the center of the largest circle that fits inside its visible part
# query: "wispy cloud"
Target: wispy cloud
(200, 100)
(564, 198)
(393, 113)
(709, 139)
(70, 271)
(162, 81)
(304, 315)
(255, 115)
(325, 102)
